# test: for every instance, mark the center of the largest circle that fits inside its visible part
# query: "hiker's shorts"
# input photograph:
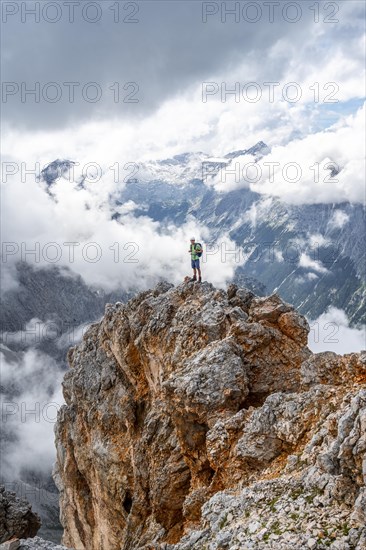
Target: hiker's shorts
(195, 264)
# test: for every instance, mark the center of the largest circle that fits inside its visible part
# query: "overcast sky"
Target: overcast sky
(164, 47)
(168, 49)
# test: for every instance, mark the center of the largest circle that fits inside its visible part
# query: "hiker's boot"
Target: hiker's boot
(193, 279)
(200, 280)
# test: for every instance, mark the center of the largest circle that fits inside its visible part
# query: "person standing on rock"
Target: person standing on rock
(195, 251)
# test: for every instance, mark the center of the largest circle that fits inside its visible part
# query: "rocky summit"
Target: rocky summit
(197, 418)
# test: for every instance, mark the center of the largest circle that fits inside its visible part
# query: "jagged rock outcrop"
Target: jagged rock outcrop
(16, 517)
(19, 524)
(198, 418)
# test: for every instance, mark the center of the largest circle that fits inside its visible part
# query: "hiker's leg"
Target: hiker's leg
(199, 274)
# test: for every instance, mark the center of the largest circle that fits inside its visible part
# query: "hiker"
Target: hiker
(195, 250)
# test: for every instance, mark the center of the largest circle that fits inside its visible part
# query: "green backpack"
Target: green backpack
(199, 254)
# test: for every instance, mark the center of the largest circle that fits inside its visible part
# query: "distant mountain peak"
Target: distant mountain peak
(55, 170)
(258, 150)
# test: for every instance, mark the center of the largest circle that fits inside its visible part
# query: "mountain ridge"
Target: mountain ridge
(316, 248)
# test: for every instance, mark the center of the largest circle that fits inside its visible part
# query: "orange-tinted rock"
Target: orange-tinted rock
(178, 394)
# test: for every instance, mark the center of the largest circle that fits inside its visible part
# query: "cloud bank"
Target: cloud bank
(74, 228)
(147, 45)
(331, 332)
(324, 167)
(31, 397)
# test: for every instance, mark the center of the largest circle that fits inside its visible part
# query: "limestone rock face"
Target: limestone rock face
(190, 402)
(16, 517)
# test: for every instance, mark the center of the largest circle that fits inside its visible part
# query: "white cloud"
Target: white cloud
(33, 333)
(8, 279)
(300, 171)
(331, 332)
(133, 252)
(235, 174)
(72, 336)
(318, 240)
(278, 255)
(338, 219)
(128, 206)
(36, 331)
(316, 265)
(305, 278)
(29, 414)
(312, 158)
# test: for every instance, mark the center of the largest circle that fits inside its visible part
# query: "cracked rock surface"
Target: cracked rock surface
(197, 418)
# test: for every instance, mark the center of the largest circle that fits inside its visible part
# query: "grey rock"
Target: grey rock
(16, 517)
(10, 545)
(38, 543)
